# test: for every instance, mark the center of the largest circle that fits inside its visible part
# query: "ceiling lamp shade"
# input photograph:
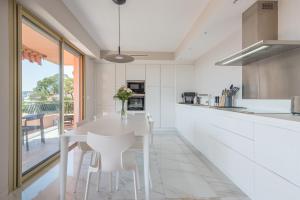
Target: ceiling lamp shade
(119, 58)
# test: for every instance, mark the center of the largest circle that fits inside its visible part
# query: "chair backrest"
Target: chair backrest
(150, 122)
(111, 149)
(148, 115)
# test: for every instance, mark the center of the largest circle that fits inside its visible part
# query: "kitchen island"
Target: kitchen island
(258, 152)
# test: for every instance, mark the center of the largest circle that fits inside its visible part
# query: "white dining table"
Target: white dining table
(111, 124)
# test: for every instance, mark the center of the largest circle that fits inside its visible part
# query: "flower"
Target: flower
(123, 93)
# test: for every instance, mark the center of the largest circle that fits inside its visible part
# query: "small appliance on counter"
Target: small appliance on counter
(188, 97)
(295, 105)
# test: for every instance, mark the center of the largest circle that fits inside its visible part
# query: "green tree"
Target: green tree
(47, 89)
(68, 87)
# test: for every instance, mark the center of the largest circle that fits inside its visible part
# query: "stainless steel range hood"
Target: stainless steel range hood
(258, 51)
(260, 34)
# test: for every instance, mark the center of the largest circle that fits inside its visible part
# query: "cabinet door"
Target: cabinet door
(278, 150)
(167, 76)
(167, 96)
(167, 107)
(269, 186)
(120, 81)
(153, 103)
(135, 72)
(153, 75)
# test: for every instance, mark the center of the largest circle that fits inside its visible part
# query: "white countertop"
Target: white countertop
(286, 119)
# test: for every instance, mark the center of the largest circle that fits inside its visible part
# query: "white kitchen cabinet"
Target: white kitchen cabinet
(167, 107)
(167, 76)
(120, 81)
(153, 75)
(278, 150)
(135, 72)
(243, 146)
(259, 155)
(221, 147)
(239, 169)
(269, 186)
(185, 123)
(168, 99)
(238, 126)
(153, 99)
(153, 103)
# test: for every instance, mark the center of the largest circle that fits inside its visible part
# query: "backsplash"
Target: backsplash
(280, 106)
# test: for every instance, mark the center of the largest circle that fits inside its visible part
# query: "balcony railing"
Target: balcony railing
(44, 107)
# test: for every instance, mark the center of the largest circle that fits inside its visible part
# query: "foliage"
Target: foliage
(47, 89)
(123, 93)
(68, 88)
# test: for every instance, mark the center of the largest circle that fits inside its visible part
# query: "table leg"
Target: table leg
(63, 166)
(146, 166)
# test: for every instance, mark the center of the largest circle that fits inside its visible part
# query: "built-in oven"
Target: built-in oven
(136, 103)
(138, 87)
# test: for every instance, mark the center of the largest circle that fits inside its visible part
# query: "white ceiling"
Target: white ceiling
(186, 27)
(146, 25)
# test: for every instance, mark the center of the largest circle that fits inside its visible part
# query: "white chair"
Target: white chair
(138, 146)
(114, 157)
(83, 149)
(151, 126)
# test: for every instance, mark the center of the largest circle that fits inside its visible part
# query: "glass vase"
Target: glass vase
(123, 111)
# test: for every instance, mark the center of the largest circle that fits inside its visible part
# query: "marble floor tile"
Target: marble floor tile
(177, 170)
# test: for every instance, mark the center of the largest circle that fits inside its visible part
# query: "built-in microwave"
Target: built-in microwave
(138, 87)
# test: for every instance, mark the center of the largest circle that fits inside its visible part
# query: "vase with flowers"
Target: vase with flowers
(123, 95)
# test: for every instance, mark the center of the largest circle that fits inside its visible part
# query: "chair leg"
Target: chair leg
(87, 185)
(27, 144)
(117, 180)
(98, 181)
(151, 142)
(137, 177)
(150, 180)
(110, 181)
(78, 169)
(134, 184)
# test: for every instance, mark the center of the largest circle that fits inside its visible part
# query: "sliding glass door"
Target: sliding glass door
(40, 96)
(72, 87)
(51, 93)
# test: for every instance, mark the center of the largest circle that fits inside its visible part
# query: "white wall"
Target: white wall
(4, 100)
(211, 79)
(90, 86)
(288, 20)
(185, 80)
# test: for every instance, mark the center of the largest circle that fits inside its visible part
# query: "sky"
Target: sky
(32, 73)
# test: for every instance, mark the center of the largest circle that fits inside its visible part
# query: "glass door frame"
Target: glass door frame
(21, 12)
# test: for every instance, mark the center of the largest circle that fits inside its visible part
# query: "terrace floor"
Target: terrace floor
(39, 151)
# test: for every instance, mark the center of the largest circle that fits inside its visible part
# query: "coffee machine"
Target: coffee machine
(188, 97)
